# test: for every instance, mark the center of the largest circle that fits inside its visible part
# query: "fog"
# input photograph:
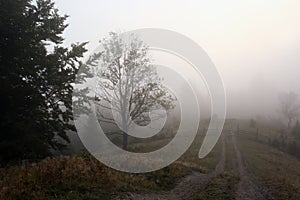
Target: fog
(255, 45)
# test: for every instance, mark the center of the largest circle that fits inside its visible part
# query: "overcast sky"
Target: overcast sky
(254, 44)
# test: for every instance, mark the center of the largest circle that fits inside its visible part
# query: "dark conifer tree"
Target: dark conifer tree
(35, 82)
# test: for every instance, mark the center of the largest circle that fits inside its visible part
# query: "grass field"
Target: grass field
(80, 178)
(83, 177)
(278, 170)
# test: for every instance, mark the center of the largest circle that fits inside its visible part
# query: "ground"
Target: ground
(239, 167)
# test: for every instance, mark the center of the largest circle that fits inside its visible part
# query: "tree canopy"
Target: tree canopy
(128, 83)
(36, 77)
(289, 107)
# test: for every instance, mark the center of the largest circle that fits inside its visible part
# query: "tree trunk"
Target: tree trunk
(125, 140)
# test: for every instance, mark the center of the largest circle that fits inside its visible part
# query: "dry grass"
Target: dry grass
(79, 178)
(223, 186)
(206, 164)
(83, 177)
(219, 188)
(280, 171)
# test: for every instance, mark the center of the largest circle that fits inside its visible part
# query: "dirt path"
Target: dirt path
(247, 189)
(186, 187)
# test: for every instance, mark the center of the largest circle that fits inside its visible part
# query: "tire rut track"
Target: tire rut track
(247, 189)
(186, 187)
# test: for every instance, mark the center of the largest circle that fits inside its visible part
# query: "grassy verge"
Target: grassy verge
(79, 178)
(279, 171)
(83, 177)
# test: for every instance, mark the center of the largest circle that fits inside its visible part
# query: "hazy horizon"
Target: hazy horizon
(254, 44)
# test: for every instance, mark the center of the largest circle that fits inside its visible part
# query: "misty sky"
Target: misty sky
(254, 44)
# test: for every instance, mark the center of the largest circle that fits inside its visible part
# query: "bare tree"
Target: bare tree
(289, 107)
(128, 83)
